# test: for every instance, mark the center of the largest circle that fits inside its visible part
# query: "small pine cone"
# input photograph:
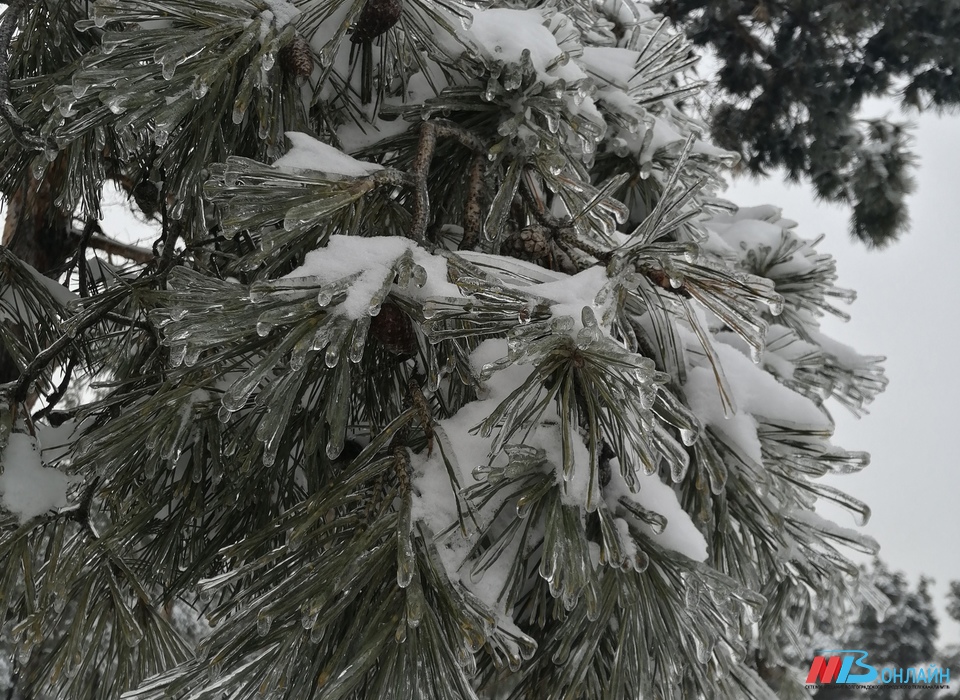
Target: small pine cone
(394, 331)
(531, 244)
(376, 17)
(296, 59)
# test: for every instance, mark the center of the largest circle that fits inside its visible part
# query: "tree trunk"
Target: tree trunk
(36, 231)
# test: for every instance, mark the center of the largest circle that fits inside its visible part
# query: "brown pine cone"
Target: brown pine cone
(394, 331)
(296, 59)
(531, 244)
(376, 17)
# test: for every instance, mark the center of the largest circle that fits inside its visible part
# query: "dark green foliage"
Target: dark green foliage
(477, 391)
(794, 74)
(901, 636)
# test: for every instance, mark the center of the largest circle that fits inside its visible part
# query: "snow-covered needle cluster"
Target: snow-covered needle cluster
(474, 389)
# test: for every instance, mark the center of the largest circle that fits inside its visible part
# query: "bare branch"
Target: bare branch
(420, 170)
(114, 247)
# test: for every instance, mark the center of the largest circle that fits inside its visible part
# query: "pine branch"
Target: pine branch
(78, 325)
(24, 135)
(420, 171)
(58, 394)
(115, 247)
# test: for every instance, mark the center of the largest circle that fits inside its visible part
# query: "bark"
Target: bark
(36, 230)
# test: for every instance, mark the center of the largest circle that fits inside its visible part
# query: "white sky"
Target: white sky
(905, 311)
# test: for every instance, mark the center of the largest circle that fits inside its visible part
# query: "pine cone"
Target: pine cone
(296, 59)
(376, 17)
(394, 331)
(531, 244)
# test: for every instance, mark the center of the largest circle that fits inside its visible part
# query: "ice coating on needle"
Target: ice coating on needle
(372, 259)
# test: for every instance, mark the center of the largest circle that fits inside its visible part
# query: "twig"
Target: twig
(466, 138)
(46, 356)
(420, 170)
(113, 247)
(80, 513)
(54, 398)
(424, 414)
(429, 132)
(472, 209)
(18, 127)
(80, 255)
(169, 238)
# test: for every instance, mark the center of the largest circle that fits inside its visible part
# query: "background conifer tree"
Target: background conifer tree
(448, 374)
(793, 75)
(899, 633)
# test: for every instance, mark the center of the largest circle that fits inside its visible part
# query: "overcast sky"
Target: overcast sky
(906, 310)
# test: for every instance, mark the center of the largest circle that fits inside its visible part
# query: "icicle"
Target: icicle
(177, 354)
(406, 562)
(264, 620)
(332, 356)
(359, 339)
(236, 396)
(415, 603)
(308, 619)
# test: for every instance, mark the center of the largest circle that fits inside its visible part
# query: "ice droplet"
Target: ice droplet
(79, 88)
(308, 620)
(776, 305)
(199, 88)
(334, 446)
(419, 275)
(332, 357)
(192, 355)
(326, 56)
(177, 353)
(263, 624)
(115, 104)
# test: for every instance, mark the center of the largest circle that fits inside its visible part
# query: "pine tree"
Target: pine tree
(899, 631)
(474, 388)
(950, 655)
(793, 75)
